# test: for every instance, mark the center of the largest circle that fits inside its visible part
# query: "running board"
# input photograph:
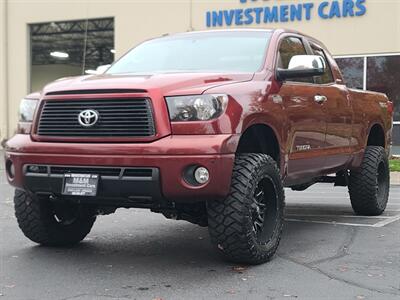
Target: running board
(341, 179)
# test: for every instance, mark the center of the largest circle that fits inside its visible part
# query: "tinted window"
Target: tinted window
(213, 52)
(288, 48)
(353, 71)
(327, 77)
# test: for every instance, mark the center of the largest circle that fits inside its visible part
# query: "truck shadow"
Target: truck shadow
(176, 256)
(166, 254)
(145, 245)
(157, 243)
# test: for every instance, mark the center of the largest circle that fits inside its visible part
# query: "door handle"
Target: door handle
(320, 99)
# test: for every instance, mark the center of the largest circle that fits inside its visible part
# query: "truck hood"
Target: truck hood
(167, 84)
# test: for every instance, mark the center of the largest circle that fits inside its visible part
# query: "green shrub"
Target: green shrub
(394, 165)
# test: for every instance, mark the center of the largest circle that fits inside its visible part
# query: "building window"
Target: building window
(69, 48)
(383, 75)
(353, 71)
(379, 73)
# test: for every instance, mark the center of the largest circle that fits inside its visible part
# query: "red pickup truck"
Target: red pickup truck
(207, 127)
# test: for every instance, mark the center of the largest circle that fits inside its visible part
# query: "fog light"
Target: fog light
(10, 169)
(201, 175)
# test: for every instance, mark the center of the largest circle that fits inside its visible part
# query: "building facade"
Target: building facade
(42, 40)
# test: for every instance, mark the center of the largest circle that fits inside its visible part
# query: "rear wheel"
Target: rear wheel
(369, 185)
(246, 227)
(52, 224)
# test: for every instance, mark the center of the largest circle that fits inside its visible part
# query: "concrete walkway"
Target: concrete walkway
(395, 178)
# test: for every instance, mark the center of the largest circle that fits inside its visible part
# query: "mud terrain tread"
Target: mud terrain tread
(229, 219)
(363, 183)
(36, 224)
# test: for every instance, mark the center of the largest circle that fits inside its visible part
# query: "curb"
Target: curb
(395, 178)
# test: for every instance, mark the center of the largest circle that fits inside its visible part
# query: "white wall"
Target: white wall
(3, 72)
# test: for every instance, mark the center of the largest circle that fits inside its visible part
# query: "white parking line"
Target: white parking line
(385, 220)
(323, 197)
(321, 205)
(318, 197)
(330, 223)
(338, 216)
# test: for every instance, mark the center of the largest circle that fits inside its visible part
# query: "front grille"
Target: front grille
(117, 118)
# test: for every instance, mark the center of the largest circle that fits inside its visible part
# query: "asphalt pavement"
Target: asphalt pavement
(326, 253)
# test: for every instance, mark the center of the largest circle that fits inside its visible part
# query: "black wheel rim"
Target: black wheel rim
(265, 210)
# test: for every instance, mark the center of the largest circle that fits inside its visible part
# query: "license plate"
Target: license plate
(80, 184)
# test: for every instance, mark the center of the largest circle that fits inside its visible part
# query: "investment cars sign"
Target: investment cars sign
(281, 13)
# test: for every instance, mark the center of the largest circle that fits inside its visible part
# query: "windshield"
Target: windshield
(197, 52)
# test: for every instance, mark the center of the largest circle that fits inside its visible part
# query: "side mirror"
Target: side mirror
(302, 66)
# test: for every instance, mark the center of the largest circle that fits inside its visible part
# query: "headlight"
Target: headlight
(27, 109)
(196, 108)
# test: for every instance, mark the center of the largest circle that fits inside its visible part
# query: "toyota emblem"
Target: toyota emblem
(88, 118)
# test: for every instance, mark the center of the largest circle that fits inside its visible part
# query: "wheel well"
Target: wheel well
(260, 139)
(376, 136)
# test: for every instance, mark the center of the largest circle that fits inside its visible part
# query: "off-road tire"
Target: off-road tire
(230, 221)
(369, 185)
(37, 221)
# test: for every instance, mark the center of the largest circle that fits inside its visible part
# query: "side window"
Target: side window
(327, 77)
(288, 48)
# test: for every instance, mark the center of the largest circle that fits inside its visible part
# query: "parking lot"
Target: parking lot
(326, 253)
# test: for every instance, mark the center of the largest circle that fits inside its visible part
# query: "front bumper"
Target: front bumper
(169, 157)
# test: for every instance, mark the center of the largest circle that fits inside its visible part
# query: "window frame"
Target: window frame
(325, 57)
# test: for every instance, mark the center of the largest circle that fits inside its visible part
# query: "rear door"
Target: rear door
(306, 124)
(338, 113)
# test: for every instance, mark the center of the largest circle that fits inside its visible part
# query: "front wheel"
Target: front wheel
(247, 226)
(369, 185)
(52, 224)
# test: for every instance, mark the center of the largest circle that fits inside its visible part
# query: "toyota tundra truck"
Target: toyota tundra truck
(207, 127)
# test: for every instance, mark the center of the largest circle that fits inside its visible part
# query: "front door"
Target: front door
(338, 112)
(306, 130)
(306, 124)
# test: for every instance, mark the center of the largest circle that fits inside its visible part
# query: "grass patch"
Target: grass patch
(394, 165)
